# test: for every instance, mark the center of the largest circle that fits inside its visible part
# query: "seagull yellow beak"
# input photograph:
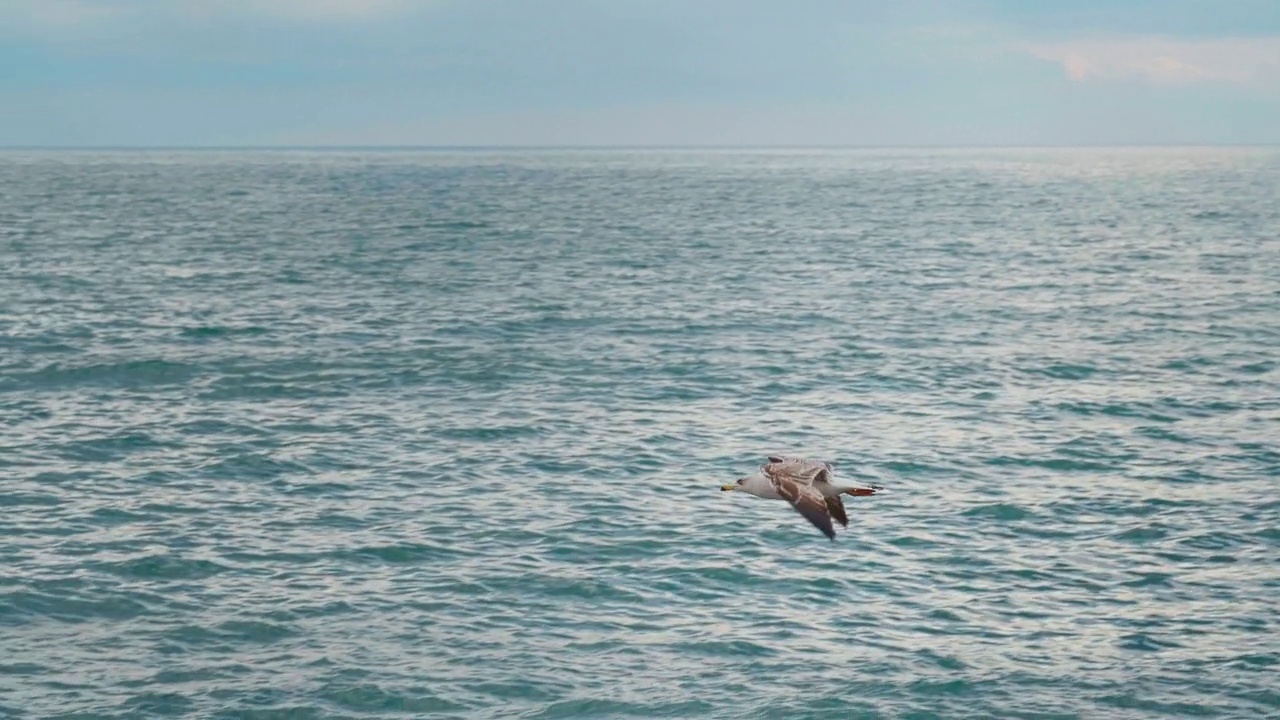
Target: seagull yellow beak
(728, 487)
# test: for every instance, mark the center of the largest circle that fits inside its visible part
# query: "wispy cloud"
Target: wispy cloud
(56, 13)
(310, 10)
(61, 15)
(1165, 61)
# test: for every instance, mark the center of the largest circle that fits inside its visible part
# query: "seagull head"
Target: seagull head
(732, 486)
(754, 484)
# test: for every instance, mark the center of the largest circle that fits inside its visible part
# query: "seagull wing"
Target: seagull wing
(808, 471)
(835, 508)
(806, 500)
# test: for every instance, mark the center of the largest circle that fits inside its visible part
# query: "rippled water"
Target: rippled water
(357, 434)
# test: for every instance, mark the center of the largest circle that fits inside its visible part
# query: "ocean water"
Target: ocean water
(357, 434)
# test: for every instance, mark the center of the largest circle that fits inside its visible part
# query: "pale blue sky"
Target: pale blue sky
(638, 72)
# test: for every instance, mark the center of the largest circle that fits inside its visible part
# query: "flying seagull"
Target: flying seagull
(809, 485)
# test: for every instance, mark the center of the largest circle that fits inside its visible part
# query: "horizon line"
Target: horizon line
(639, 146)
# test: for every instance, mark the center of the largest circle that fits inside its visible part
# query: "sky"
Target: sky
(639, 72)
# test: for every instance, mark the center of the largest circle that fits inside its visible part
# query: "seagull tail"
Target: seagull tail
(863, 490)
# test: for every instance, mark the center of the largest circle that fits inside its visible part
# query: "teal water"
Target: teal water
(440, 434)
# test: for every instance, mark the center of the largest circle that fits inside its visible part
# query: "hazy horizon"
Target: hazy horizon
(688, 147)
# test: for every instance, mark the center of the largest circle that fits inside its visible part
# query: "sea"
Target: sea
(441, 433)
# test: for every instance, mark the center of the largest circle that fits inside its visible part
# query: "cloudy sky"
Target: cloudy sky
(638, 72)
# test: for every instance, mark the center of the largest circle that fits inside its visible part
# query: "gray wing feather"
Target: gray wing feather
(803, 471)
(807, 501)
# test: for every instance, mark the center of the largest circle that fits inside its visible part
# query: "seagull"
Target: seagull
(809, 485)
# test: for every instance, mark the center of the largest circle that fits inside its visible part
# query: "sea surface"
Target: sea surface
(440, 434)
